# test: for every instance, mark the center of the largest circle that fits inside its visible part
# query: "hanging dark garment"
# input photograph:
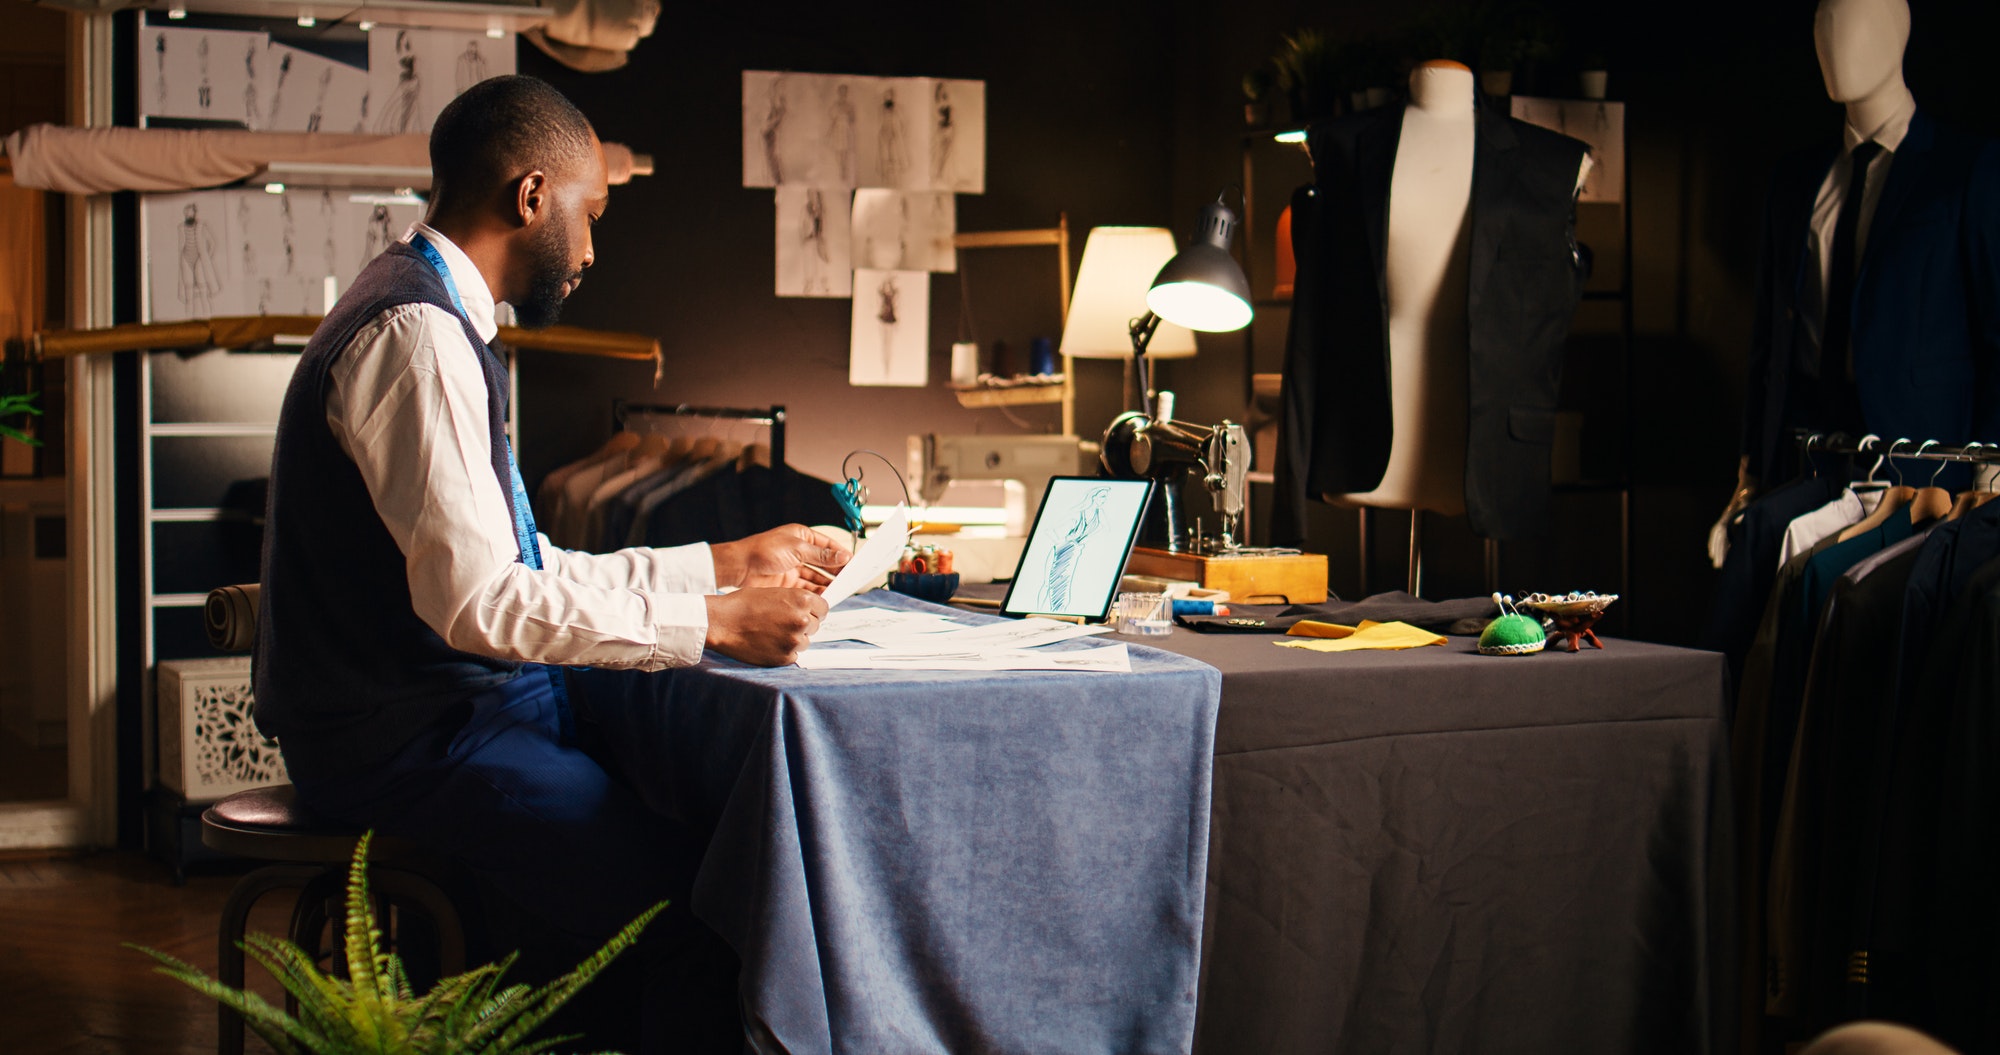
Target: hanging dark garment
(730, 505)
(1524, 286)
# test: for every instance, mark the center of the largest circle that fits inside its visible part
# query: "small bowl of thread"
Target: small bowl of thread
(937, 587)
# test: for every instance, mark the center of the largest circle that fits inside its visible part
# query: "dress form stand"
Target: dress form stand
(1425, 271)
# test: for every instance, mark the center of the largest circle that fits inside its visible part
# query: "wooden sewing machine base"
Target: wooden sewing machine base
(1290, 578)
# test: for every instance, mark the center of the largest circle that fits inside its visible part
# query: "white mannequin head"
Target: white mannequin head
(1860, 45)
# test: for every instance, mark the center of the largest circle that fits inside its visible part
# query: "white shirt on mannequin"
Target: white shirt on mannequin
(408, 403)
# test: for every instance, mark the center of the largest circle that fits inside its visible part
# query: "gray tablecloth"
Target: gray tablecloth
(941, 862)
(1437, 851)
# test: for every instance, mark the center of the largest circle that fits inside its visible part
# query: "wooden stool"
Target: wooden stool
(266, 824)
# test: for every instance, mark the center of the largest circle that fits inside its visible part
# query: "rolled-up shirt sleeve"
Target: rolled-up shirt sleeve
(408, 403)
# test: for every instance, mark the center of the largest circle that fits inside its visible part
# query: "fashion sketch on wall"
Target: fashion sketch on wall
(248, 252)
(890, 336)
(314, 93)
(905, 230)
(413, 73)
(812, 244)
(208, 74)
(831, 130)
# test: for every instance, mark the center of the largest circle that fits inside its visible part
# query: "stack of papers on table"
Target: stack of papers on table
(928, 641)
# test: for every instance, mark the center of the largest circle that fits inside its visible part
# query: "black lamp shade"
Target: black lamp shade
(1202, 287)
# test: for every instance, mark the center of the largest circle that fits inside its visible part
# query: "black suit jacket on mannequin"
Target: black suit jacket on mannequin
(1523, 287)
(1926, 307)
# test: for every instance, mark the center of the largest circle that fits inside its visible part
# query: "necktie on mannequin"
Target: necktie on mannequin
(1836, 347)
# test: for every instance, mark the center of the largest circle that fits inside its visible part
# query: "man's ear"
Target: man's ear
(531, 194)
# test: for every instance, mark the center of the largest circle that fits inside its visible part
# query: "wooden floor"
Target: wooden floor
(68, 986)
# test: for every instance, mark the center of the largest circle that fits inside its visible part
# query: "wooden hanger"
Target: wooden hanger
(1932, 501)
(1893, 499)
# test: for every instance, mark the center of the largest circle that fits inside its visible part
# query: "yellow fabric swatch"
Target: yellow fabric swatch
(1332, 637)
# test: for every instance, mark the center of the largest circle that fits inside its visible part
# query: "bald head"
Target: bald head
(498, 131)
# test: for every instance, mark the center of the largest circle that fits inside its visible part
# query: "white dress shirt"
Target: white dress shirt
(408, 403)
(1834, 191)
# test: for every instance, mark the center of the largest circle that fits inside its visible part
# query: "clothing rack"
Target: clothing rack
(771, 417)
(1811, 443)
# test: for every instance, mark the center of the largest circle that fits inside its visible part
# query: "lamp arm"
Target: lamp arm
(1142, 335)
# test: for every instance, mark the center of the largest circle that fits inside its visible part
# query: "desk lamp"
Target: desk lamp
(1200, 288)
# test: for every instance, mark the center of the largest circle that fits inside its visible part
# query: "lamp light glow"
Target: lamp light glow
(1291, 135)
(1199, 306)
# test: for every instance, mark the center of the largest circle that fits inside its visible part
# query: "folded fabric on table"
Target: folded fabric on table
(1400, 607)
(1335, 637)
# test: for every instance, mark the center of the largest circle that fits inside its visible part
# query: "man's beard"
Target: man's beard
(550, 268)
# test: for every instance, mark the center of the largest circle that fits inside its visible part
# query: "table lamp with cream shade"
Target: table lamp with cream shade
(1118, 267)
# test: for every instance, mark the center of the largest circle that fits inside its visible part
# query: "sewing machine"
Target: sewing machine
(1023, 463)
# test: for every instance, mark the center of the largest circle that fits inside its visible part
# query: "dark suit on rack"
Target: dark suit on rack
(1925, 314)
(1524, 285)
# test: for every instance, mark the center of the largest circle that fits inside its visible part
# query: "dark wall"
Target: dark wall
(1132, 113)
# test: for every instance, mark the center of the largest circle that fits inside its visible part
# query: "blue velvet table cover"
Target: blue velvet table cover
(941, 861)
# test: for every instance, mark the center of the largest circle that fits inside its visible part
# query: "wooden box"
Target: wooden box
(1296, 578)
(209, 747)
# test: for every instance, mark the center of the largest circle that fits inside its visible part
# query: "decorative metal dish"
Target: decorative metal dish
(1571, 615)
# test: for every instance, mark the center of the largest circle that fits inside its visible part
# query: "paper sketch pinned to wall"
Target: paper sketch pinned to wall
(1598, 123)
(813, 242)
(905, 230)
(958, 136)
(315, 94)
(413, 73)
(890, 336)
(904, 133)
(205, 74)
(246, 252)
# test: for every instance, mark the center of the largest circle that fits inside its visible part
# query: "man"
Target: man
(413, 624)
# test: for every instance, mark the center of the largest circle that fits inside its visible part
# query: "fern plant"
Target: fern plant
(11, 406)
(374, 1009)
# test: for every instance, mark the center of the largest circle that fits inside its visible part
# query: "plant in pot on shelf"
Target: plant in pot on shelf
(1308, 69)
(375, 1010)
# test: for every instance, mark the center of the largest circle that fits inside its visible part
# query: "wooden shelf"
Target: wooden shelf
(1021, 396)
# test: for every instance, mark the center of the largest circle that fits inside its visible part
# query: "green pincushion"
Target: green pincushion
(1512, 635)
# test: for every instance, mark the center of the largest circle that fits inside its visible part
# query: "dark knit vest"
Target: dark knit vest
(345, 672)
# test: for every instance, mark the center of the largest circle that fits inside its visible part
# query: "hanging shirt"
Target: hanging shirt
(408, 404)
(1849, 509)
(1835, 190)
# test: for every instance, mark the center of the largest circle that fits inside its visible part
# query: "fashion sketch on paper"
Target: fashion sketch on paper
(886, 315)
(319, 101)
(199, 279)
(289, 236)
(251, 116)
(378, 236)
(840, 133)
(326, 218)
(942, 134)
(202, 93)
(812, 237)
(1064, 558)
(471, 66)
(774, 121)
(249, 241)
(893, 156)
(160, 78)
(399, 114)
(278, 92)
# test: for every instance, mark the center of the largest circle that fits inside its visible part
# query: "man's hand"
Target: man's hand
(791, 556)
(764, 626)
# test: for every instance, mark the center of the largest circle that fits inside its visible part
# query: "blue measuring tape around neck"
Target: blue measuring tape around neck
(524, 517)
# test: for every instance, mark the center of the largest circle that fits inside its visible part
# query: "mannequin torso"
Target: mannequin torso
(1426, 263)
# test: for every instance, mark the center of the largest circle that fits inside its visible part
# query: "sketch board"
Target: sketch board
(902, 133)
(247, 252)
(1598, 123)
(413, 73)
(206, 74)
(813, 245)
(311, 93)
(1077, 549)
(890, 336)
(905, 230)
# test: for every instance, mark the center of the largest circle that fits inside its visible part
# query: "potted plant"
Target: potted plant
(374, 1008)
